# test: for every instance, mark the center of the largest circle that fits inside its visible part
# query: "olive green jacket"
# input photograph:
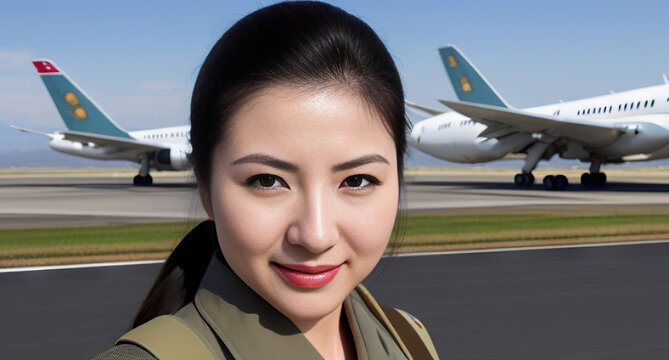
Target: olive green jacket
(234, 322)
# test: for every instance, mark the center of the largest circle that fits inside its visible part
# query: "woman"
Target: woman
(298, 136)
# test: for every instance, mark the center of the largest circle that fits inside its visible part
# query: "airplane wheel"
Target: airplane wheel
(142, 180)
(561, 182)
(593, 179)
(549, 182)
(529, 179)
(524, 179)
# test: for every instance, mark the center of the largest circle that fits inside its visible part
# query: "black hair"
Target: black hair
(304, 43)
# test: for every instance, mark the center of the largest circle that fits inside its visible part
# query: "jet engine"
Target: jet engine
(174, 158)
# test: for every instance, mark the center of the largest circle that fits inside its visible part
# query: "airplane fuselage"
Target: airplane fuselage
(643, 115)
(174, 140)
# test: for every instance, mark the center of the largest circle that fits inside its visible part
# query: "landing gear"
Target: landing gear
(593, 179)
(534, 154)
(557, 182)
(142, 180)
(524, 179)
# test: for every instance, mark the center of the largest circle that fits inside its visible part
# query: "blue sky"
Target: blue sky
(139, 59)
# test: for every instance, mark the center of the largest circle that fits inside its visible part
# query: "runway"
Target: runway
(77, 197)
(581, 303)
(606, 302)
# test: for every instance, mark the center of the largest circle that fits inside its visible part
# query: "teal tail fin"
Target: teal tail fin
(467, 81)
(78, 111)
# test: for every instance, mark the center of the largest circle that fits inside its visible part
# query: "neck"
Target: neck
(330, 335)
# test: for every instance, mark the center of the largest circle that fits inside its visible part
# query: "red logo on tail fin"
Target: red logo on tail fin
(45, 67)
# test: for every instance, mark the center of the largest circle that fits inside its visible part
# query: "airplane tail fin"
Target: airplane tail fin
(78, 111)
(468, 83)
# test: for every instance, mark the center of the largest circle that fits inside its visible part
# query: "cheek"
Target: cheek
(251, 228)
(369, 226)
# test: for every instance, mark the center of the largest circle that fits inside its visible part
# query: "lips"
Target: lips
(308, 277)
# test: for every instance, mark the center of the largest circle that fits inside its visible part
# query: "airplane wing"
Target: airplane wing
(99, 140)
(111, 141)
(503, 121)
(423, 108)
(31, 131)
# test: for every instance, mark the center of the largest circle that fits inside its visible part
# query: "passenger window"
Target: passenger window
(638, 104)
(610, 108)
(625, 107)
(652, 103)
(620, 106)
(645, 104)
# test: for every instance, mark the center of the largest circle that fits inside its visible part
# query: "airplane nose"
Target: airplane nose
(414, 137)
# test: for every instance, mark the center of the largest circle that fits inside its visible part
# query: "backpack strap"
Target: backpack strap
(409, 334)
(168, 337)
(412, 332)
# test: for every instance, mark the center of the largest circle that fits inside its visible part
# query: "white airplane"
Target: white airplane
(93, 134)
(614, 128)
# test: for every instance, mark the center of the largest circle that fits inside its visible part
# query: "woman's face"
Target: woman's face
(304, 193)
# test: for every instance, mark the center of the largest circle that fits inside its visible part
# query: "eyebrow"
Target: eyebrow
(266, 160)
(363, 160)
(284, 165)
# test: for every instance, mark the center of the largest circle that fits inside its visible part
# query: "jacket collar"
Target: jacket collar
(252, 329)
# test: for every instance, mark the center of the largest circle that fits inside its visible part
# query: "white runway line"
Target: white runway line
(79, 266)
(530, 248)
(436, 253)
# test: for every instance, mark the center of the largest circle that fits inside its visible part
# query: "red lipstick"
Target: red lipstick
(308, 277)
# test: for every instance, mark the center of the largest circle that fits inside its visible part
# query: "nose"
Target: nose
(315, 226)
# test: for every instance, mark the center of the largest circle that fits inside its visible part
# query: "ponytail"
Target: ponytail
(180, 276)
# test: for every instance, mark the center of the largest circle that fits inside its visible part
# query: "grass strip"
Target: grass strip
(23, 247)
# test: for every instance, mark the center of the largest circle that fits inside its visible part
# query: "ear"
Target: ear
(206, 202)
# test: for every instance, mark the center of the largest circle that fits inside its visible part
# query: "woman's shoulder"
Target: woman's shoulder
(125, 352)
(413, 333)
(156, 339)
(409, 332)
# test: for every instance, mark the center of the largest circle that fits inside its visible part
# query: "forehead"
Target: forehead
(286, 119)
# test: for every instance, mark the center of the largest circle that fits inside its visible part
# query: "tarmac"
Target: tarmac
(593, 302)
(79, 197)
(584, 302)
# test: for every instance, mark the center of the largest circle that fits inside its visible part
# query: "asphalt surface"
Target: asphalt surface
(81, 199)
(582, 303)
(608, 302)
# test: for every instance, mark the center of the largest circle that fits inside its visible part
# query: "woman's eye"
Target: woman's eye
(267, 181)
(359, 181)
